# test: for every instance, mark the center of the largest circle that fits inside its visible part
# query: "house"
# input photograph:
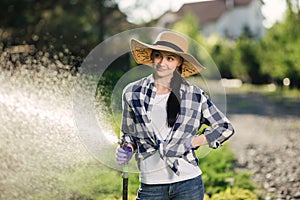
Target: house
(227, 18)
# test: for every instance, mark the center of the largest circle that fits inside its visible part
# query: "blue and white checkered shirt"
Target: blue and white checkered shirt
(138, 130)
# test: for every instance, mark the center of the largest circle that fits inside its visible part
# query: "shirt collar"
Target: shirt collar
(151, 79)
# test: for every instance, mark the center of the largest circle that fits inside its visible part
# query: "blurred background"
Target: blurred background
(243, 36)
(254, 43)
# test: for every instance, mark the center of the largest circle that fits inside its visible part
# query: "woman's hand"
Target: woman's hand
(199, 140)
(124, 154)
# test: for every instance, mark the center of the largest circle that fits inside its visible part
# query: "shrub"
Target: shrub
(219, 172)
(235, 194)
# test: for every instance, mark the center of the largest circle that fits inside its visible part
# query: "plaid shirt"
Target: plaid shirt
(137, 129)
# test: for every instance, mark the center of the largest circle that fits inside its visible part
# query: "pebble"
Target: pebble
(278, 168)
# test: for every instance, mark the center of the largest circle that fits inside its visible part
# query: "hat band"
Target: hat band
(168, 44)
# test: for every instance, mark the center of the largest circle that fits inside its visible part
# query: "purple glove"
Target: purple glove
(123, 155)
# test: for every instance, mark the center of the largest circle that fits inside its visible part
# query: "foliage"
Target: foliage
(276, 56)
(282, 50)
(247, 63)
(106, 85)
(267, 60)
(219, 172)
(77, 25)
(189, 26)
(224, 57)
(94, 181)
(234, 194)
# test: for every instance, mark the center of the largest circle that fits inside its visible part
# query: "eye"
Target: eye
(171, 58)
(157, 55)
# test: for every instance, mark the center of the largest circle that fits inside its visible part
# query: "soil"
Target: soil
(266, 141)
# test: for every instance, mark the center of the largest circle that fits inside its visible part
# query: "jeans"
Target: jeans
(192, 189)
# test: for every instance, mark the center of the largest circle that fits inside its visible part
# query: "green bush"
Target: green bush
(219, 173)
(223, 57)
(234, 194)
(96, 181)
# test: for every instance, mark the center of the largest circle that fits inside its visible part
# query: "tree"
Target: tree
(76, 25)
(281, 47)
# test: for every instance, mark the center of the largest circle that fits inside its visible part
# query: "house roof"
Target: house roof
(208, 11)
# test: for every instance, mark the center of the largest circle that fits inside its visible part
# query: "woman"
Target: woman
(161, 116)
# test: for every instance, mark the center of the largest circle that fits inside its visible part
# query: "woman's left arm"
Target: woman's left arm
(220, 130)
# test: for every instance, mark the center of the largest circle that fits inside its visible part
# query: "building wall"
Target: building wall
(227, 20)
(238, 20)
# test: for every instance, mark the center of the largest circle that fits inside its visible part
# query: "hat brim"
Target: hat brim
(142, 55)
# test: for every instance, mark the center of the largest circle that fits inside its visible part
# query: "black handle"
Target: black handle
(125, 188)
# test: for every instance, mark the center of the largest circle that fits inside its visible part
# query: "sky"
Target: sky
(273, 10)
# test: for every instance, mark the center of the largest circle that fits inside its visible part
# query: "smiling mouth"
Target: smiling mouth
(161, 69)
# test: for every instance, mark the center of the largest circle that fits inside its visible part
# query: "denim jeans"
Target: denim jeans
(192, 189)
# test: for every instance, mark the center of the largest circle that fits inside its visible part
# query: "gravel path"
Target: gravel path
(266, 141)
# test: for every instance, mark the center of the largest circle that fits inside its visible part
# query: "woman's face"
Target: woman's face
(165, 63)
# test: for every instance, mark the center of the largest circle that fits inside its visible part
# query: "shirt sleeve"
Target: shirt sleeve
(127, 126)
(221, 128)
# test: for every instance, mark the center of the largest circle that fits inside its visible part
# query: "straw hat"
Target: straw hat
(171, 42)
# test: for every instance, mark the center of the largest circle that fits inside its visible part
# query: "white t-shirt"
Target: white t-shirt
(154, 170)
